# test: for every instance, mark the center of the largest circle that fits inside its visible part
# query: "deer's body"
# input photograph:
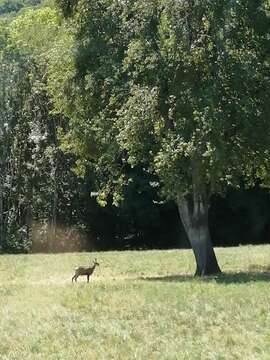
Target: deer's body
(85, 271)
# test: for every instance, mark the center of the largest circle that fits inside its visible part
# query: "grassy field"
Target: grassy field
(139, 305)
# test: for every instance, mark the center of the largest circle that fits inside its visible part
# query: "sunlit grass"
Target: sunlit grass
(138, 305)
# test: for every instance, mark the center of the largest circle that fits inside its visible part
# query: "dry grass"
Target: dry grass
(139, 305)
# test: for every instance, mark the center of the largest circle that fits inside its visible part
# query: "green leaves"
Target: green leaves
(173, 86)
(35, 30)
(138, 124)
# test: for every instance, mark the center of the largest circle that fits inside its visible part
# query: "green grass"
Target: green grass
(139, 305)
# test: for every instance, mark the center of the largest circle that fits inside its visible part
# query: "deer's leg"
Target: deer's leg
(88, 278)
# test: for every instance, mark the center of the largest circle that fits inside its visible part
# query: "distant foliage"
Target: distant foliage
(13, 6)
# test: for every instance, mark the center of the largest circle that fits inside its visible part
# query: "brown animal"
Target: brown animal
(85, 271)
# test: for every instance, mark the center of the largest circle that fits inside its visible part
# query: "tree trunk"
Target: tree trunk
(1, 215)
(194, 215)
(55, 206)
(55, 183)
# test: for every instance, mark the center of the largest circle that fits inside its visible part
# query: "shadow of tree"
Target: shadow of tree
(169, 278)
(262, 274)
(243, 277)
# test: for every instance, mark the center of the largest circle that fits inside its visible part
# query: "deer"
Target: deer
(85, 271)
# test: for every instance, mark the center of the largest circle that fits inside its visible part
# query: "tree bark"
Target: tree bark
(193, 212)
(55, 204)
(1, 215)
(55, 184)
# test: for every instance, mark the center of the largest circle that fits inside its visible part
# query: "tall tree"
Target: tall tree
(199, 106)
(179, 88)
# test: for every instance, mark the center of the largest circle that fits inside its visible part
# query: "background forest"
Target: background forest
(64, 184)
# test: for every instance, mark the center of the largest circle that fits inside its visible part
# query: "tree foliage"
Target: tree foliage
(176, 86)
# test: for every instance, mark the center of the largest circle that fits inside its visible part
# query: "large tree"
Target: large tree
(179, 88)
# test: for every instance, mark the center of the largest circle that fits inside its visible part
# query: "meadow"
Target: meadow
(138, 305)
